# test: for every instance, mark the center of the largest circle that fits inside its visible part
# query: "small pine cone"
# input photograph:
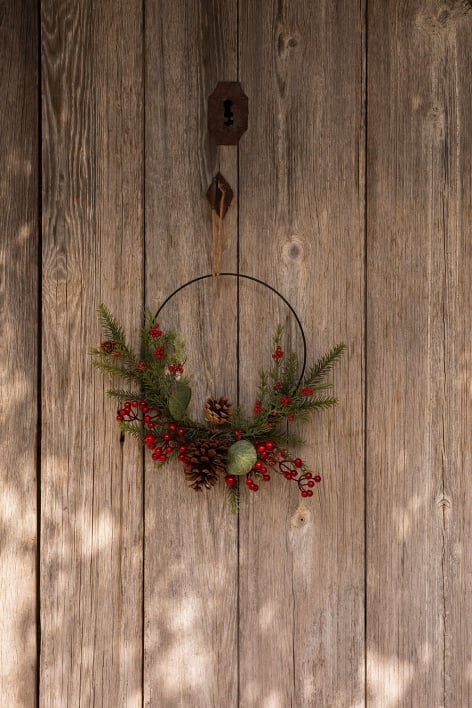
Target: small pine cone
(107, 347)
(206, 459)
(217, 410)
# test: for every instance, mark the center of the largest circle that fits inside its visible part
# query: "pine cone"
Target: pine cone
(217, 411)
(206, 459)
(107, 347)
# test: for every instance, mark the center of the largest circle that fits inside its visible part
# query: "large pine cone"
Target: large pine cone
(217, 410)
(206, 459)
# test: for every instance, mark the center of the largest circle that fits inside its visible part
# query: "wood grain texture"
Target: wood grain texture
(301, 220)
(419, 352)
(19, 350)
(191, 539)
(91, 526)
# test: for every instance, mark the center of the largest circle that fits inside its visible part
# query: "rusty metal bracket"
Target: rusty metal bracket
(227, 113)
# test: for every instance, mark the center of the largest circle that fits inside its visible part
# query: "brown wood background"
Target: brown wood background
(118, 586)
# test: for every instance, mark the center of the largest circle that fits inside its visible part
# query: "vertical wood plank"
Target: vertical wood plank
(301, 220)
(419, 352)
(91, 530)
(19, 349)
(191, 539)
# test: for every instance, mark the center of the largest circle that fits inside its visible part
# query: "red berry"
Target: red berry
(119, 417)
(180, 431)
(167, 437)
(288, 475)
(159, 450)
(304, 493)
(231, 480)
(270, 446)
(182, 448)
(169, 449)
(258, 465)
(134, 404)
(255, 488)
(297, 462)
(172, 427)
(162, 458)
(266, 477)
(308, 475)
(151, 425)
(317, 478)
(261, 448)
(310, 483)
(249, 482)
(309, 493)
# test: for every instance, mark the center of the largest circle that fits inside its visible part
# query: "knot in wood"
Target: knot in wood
(443, 502)
(301, 517)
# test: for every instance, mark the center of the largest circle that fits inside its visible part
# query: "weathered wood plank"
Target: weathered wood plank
(419, 352)
(301, 219)
(191, 540)
(19, 349)
(91, 526)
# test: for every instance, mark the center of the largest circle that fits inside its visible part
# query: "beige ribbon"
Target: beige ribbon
(217, 230)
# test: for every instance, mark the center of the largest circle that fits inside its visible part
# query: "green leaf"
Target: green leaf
(242, 457)
(179, 400)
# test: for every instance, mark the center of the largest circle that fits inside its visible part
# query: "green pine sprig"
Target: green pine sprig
(316, 373)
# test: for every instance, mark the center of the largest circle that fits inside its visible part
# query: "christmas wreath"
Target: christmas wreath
(229, 444)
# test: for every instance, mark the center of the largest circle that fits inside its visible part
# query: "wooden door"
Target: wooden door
(119, 585)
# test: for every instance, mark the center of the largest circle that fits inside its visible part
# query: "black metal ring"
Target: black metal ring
(255, 280)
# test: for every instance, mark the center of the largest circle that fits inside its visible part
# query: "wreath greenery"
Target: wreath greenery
(228, 443)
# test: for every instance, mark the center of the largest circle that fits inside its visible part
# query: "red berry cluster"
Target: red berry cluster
(306, 391)
(176, 369)
(278, 354)
(155, 332)
(137, 410)
(167, 444)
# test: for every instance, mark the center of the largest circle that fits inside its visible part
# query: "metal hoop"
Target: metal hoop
(255, 280)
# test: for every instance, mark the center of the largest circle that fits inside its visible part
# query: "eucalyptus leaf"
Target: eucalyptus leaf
(242, 457)
(179, 400)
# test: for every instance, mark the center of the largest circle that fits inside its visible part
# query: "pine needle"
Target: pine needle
(233, 499)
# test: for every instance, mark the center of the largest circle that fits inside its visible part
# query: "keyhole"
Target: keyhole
(228, 112)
